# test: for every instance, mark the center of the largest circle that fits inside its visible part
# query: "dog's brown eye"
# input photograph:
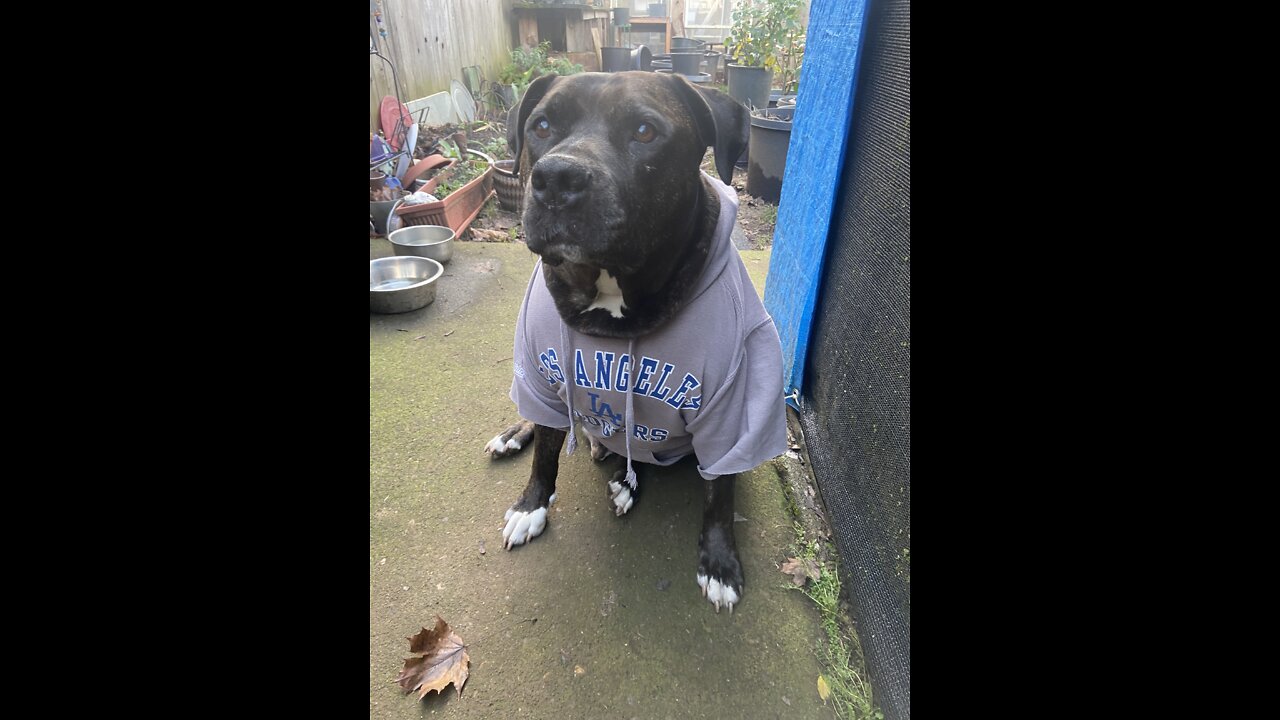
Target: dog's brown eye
(644, 133)
(542, 128)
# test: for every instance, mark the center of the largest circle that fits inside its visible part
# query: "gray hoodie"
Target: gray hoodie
(709, 382)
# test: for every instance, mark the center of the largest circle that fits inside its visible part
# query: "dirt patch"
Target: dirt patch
(757, 217)
(495, 225)
(487, 136)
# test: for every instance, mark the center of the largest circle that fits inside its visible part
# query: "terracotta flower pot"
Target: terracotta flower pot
(422, 166)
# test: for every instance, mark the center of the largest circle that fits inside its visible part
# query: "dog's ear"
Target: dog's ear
(513, 141)
(520, 114)
(723, 123)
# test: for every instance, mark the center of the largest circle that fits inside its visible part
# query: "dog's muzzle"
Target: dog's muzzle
(560, 183)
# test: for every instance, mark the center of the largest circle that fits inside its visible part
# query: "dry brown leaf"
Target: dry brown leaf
(800, 570)
(442, 659)
(483, 235)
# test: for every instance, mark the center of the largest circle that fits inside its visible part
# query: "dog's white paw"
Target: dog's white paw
(718, 592)
(498, 448)
(622, 496)
(510, 441)
(523, 526)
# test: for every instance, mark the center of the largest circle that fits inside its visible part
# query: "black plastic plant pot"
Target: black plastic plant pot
(749, 85)
(767, 163)
(686, 63)
(711, 63)
(616, 59)
(642, 59)
(621, 16)
(684, 43)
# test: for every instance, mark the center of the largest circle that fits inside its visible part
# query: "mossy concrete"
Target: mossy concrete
(597, 617)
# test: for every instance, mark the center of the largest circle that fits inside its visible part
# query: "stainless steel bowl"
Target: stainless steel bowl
(401, 284)
(428, 241)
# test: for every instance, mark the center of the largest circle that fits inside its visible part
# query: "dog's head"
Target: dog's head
(614, 164)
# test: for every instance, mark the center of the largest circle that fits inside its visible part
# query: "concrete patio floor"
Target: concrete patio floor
(600, 616)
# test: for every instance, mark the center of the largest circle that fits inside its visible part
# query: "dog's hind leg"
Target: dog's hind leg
(511, 441)
(527, 518)
(599, 452)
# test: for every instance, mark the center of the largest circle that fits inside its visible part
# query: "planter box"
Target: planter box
(456, 211)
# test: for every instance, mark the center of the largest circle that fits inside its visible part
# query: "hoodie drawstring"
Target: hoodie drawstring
(567, 344)
(626, 425)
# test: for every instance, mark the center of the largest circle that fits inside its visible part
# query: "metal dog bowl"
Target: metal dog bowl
(427, 241)
(401, 284)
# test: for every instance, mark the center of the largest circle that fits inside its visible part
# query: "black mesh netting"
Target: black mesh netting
(857, 413)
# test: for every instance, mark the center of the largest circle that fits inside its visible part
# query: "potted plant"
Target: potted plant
(505, 182)
(462, 188)
(762, 33)
(527, 65)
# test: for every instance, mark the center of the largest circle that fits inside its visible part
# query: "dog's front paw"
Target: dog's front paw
(719, 572)
(524, 525)
(622, 493)
(720, 591)
(509, 441)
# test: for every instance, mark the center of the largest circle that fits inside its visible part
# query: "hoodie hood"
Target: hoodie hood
(721, 250)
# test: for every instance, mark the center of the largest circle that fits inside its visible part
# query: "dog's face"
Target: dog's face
(614, 182)
(612, 157)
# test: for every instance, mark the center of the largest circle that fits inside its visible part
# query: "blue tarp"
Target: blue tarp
(815, 157)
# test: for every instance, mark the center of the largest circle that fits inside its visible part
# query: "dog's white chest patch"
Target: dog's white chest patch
(608, 295)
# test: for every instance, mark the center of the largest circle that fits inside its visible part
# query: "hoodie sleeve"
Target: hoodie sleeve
(745, 423)
(536, 381)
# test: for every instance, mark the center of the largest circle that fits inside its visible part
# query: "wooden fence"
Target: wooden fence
(430, 41)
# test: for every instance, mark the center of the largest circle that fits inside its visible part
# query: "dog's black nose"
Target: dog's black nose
(559, 182)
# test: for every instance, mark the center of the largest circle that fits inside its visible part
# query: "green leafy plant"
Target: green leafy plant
(523, 62)
(768, 34)
(496, 148)
(527, 65)
(467, 167)
(790, 60)
(846, 679)
(770, 215)
(449, 149)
